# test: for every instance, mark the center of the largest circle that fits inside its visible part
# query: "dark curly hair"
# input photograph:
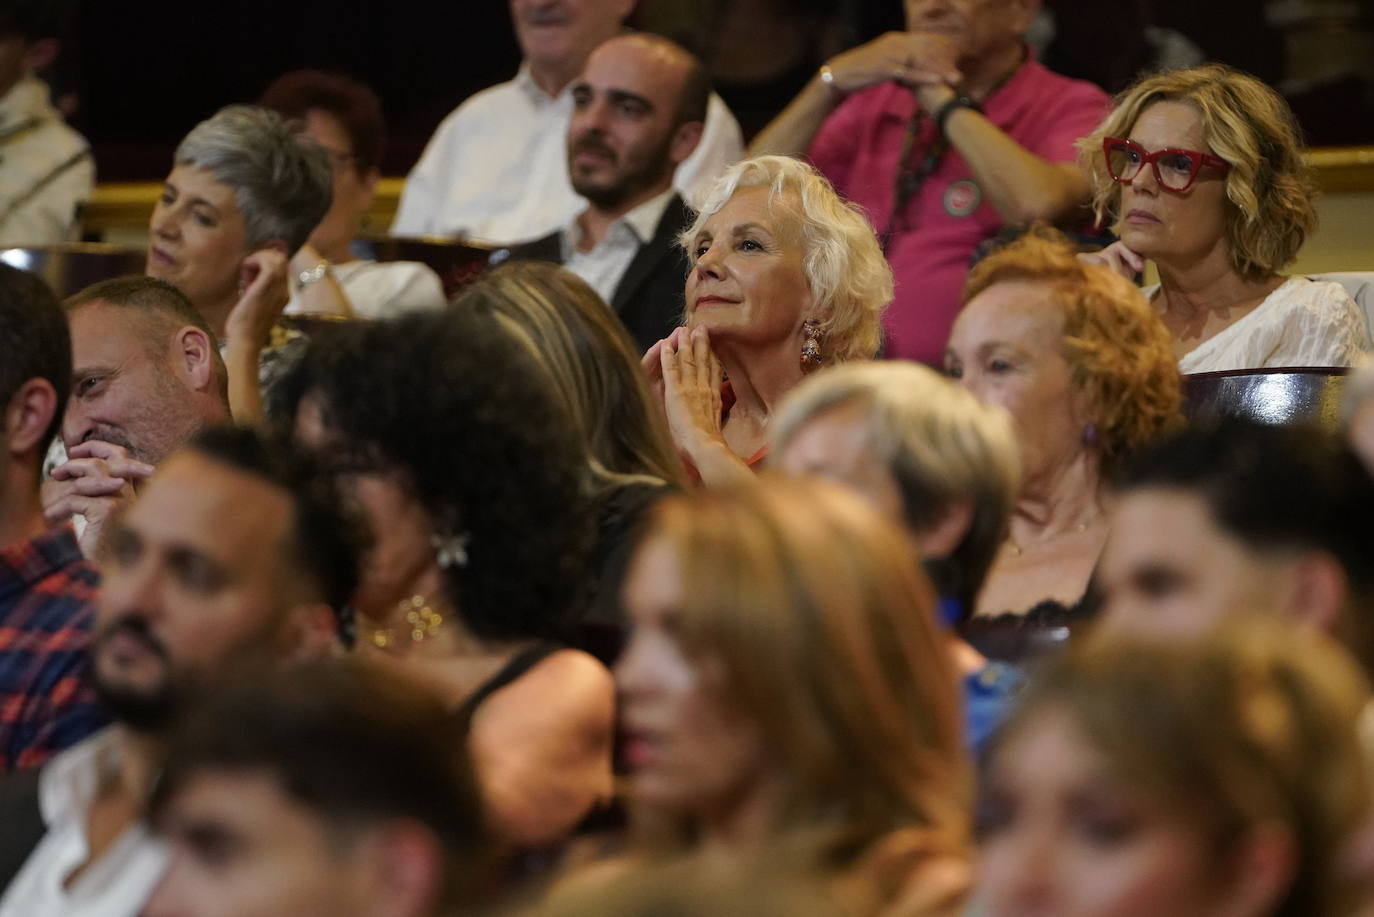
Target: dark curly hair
(454, 403)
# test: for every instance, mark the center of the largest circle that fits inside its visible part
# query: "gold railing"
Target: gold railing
(127, 205)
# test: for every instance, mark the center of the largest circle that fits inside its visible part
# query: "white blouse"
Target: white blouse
(1302, 323)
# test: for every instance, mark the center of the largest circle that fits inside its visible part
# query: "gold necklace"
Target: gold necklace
(424, 622)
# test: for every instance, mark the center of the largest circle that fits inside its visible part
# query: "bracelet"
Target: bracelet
(959, 101)
(313, 275)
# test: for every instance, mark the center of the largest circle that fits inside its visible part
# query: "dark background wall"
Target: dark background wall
(143, 73)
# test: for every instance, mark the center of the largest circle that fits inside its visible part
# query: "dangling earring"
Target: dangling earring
(450, 550)
(1090, 435)
(811, 344)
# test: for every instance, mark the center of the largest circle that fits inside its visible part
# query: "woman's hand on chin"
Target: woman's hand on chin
(1116, 257)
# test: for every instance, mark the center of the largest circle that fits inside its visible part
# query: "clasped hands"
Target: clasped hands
(97, 480)
(686, 378)
(915, 59)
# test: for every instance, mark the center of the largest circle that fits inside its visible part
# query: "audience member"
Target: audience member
(496, 169)
(243, 196)
(935, 461)
(1357, 412)
(591, 363)
(1223, 207)
(786, 694)
(786, 277)
(943, 133)
(324, 788)
(1075, 354)
(344, 118)
(454, 444)
(46, 170)
(234, 551)
(638, 109)
(1243, 517)
(1224, 777)
(46, 589)
(146, 376)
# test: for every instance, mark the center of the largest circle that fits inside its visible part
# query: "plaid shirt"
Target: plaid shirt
(47, 615)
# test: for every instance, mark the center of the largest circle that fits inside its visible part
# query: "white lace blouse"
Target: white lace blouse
(1302, 323)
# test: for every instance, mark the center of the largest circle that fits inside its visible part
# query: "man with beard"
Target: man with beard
(46, 589)
(147, 375)
(639, 108)
(234, 552)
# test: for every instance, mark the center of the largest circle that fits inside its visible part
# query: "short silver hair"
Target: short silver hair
(849, 278)
(282, 184)
(940, 444)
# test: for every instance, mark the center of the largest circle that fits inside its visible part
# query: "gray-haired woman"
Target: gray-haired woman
(243, 195)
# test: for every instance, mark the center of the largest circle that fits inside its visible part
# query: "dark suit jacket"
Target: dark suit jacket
(648, 298)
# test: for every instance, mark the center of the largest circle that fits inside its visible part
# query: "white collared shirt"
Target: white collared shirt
(604, 265)
(117, 884)
(497, 168)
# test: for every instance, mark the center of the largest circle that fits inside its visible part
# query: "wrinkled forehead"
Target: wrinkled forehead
(108, 335)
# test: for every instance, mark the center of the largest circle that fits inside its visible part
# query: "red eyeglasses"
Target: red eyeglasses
(1174, 169)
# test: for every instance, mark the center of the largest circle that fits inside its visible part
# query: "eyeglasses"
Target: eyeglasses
(1174, 169)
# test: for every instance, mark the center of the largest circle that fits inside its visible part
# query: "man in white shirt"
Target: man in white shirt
(235, 551)
(638, 109)
(495, 170)
(46, 169)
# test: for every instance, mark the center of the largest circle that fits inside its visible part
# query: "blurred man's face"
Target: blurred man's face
(1169, 569)
(620, 135)
(562, 33)
(244, 848)
(194, 576)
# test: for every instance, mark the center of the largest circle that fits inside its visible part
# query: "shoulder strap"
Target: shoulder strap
(21, 822)
(518, 665)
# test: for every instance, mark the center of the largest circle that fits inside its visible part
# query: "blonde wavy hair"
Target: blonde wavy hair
(1120, 355)
(940, 444)
(590, 360)
(848, 276)
(815, 625)
(1256, 725)
(1269, 188)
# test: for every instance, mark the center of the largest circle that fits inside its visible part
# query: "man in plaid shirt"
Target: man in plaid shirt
(46, 589)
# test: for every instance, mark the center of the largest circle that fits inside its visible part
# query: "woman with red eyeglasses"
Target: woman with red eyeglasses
(1201, 171)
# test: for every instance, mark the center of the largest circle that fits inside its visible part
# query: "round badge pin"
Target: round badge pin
(962, 198)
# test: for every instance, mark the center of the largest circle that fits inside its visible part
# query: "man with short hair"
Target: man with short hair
(147, 375)
(638, 111)
(46, 589)
(46, 169)
(943, 134)
(330, 788)
(1242, 517)
(235, 552)
(495, 169)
